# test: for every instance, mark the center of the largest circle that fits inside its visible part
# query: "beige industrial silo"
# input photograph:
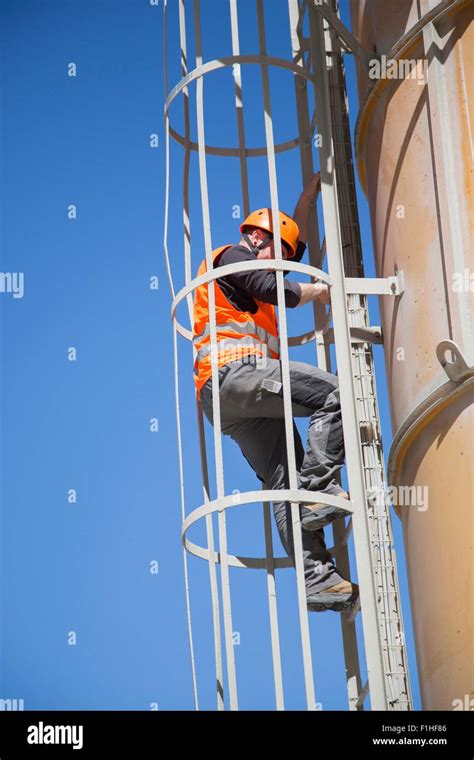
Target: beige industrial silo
(414, 153)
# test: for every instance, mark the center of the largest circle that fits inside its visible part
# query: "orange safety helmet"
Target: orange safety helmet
(262, 218)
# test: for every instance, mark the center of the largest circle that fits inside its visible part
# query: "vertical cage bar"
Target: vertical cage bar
(225, 584)
(285, 371)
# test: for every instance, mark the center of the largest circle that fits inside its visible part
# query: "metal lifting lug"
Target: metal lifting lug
(458, 369)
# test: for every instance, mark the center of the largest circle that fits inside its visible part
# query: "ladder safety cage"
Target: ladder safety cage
(317, 62)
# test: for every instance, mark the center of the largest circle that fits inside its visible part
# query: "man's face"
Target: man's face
(269, 251)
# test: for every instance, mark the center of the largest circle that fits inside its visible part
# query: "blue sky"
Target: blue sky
(83, 569)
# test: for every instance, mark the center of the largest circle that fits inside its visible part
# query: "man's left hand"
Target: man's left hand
(313, 186)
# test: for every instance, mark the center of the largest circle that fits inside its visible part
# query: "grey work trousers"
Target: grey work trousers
(253, 416)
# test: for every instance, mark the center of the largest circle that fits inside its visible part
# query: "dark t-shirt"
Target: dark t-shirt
(244, 288)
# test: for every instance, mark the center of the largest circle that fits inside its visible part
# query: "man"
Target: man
(251, 395)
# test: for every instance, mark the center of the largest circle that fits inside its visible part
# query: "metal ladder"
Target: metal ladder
(382, 556)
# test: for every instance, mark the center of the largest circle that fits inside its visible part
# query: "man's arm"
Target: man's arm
(312, 291)
(315, 290)
(258, 284)
(301, 212)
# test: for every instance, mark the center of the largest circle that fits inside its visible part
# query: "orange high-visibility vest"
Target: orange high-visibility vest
(239, 333)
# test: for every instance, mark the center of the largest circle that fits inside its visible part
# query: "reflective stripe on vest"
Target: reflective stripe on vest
(231, 347)
(244, 328)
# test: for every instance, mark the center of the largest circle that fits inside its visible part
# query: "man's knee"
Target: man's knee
(328, 378)
(331, 402)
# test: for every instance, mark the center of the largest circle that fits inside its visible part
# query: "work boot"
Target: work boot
(317, 516)
(340, 597)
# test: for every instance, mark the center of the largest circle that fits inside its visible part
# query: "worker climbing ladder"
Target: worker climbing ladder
(317, 61)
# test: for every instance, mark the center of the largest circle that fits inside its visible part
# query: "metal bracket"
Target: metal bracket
(457, 370)
(350, 42)
(379, 286)
(359, 334)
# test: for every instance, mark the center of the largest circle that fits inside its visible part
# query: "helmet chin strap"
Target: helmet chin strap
(256, 248)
